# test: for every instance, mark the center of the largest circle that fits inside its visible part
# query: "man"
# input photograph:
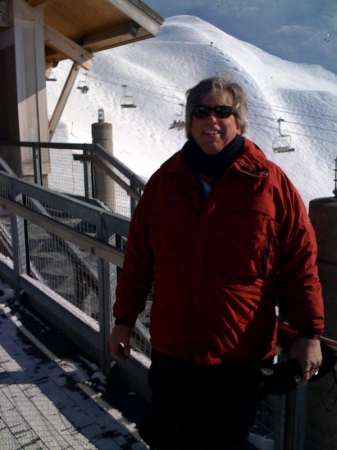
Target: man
(218, 231)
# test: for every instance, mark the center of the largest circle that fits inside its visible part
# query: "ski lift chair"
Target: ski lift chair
(282, 142)
(82, 84)
(178, 123)
(127, 101)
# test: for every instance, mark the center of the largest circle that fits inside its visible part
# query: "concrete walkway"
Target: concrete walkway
(54, 397)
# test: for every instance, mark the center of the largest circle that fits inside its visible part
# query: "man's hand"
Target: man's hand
(308, 352)
(119, 341)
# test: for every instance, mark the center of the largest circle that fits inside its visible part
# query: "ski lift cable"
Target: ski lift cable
(294, 132)
(312, 126)
(146, 92)
(166, 87)
(154, 94)
(298, 123)
(288, 111)
(142, 82)
(310, 137)
(134, 80)
(271, 108)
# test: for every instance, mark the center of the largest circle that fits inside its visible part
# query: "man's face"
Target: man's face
(211, 133)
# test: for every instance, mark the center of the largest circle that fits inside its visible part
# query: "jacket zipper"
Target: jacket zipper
(264, 260)
(253, 171)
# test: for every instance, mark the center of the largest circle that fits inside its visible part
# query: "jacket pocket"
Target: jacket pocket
(245, 239)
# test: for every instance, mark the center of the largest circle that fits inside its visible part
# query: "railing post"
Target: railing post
(104, 301)
(296, 419)
(280, 419)
(37, 166)
(19, 244)
(133, 202)
(88, 173)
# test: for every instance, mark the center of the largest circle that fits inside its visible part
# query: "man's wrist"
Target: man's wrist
(309, 334)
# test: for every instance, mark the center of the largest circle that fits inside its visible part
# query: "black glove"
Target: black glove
(280, 378)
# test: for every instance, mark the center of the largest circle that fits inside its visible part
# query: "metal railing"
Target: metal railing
(85, 171)
(64, 249)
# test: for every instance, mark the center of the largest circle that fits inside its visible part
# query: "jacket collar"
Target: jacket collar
(251, 160)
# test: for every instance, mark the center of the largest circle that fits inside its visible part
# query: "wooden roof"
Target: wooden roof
(93, 25)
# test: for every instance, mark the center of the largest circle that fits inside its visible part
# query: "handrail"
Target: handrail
(110, 173)
(284, 329)
(66, 146)
(95, 148)
(88, 243)
(111, 159)
(92, 153)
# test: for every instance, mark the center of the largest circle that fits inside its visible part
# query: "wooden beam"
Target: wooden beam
(140, 13)
(68, 47)
(111, 36)
(61, 103)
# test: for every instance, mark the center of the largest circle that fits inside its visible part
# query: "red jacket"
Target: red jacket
(217, 265)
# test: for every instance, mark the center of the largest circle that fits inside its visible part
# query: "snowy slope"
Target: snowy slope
(158, 71)
(302, 31)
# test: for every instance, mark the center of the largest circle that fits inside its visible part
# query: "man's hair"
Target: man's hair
(218, 86)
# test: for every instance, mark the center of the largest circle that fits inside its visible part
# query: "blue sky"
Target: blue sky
(302, 31)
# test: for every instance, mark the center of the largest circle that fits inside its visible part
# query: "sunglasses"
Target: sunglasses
(221, 112)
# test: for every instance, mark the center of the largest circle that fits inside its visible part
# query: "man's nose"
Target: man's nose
(212, 115)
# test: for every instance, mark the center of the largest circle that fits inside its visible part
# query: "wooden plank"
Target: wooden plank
(55, 118)
(140, 13)
(74, 51)
(108, 37)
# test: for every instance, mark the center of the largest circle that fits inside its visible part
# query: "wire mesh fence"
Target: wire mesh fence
(111, 193)
(5, 229)
(66, 174)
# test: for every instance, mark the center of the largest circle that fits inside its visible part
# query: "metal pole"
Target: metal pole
(88, 175)
(104, 300)
(296, 419)
(37, 165)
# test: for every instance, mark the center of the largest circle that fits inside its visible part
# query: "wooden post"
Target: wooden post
(23, 91)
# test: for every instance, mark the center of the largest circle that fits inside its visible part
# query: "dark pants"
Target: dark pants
(200, 407)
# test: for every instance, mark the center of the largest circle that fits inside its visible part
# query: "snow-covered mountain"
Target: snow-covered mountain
(158, 72)
(302, 31)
